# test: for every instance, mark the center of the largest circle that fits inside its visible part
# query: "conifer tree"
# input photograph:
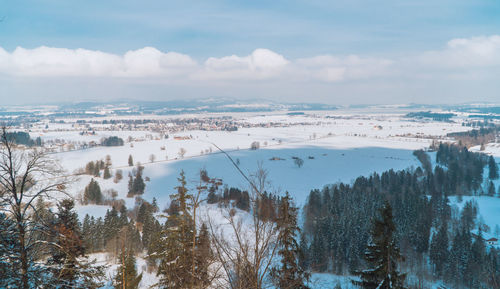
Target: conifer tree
(382, 254)
(138, 185)
(106, 174)
(289, 274)
(493, 168)
(130, 161)
(175, 252)
(67, 263)
(439, 250)
(92, 193)
(126, 274)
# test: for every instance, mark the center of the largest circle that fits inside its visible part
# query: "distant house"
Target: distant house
(492, 241)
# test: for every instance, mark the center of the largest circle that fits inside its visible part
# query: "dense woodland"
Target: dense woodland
(437, 242)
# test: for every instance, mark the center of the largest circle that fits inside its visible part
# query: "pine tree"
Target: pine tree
(175, 252)
(92, 193)
(8, 242)
(126, 274)
(289, 274)
(383, 255)
(67, 262)
(130, 161)
(107, 174)
(493, 168)
(491, 189)
(138, 185)
(203, 258)
(439, 250)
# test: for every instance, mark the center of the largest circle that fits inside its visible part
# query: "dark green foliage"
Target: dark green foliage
(126, 274)
(382, 255)
(107, 173)
(130, 161)
(8, 265)
(424, 159)
(112, 141)
(465, 169)
(23, 138)
(175, 252)
(92, 193)
(491, 189)
(289, 274)
(66, 261)
(493, 168)
(136, 185)
(438, 253)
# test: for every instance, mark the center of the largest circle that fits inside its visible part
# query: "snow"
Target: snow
(335, 146)
(489, 208)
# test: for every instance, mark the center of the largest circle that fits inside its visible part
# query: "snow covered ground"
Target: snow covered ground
(334, 146)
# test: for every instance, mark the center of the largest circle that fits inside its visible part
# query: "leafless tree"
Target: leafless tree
(182, 152)
(246, 250)
(25, 176)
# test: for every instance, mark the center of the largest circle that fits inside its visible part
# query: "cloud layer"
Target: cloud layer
(465, 66)
(149, 62)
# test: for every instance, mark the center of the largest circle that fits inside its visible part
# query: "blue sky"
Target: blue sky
(394, 42)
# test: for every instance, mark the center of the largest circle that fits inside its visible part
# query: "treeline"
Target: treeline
(337, 221)
(23, 138)
(432, 115)
(475, 137)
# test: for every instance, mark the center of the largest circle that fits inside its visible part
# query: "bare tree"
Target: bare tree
(25, 176)
(182, 152)
(298, 162)
(246, 250)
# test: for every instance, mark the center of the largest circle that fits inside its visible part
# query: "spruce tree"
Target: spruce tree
(92, 193)
(175, 251)
(439, 250)
(289, 274)
(126, 274)
(382, 254)
(130, 161)
(493, 168)
(68, 266)
(107, 174)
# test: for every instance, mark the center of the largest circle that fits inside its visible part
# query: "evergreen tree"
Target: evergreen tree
(439, 250)
(493, 168)
(491, 189)
(175, 251)
(130, 161)
(138, 185)
(203, 258)
(67, 262)
(126, 274)
(92, 193)
(289, 274)
(383, 255)
(7, 244)
(107, 174)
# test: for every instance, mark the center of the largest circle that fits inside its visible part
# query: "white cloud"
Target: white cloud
(466, 52)
(458, 57)
(50, 62)
(260, 64)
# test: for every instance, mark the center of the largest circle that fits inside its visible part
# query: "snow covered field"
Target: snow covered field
(335, 147)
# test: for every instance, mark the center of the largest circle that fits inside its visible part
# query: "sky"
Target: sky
(335, 52)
